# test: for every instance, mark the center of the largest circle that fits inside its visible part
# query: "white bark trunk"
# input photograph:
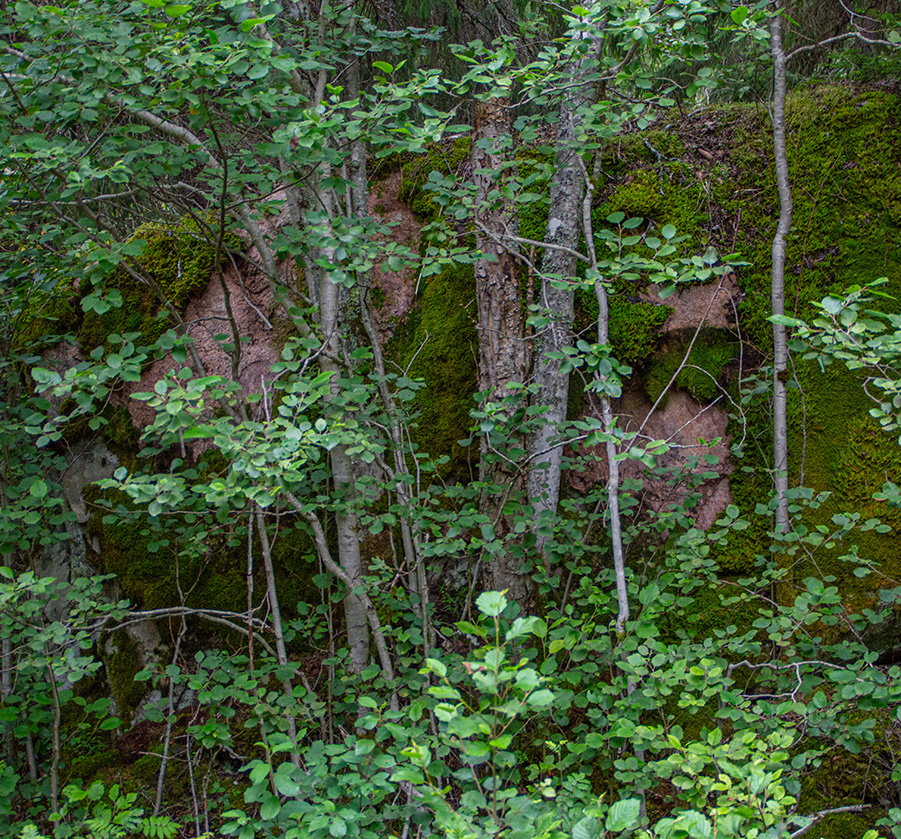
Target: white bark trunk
(346, 519)
(777, 293)
(613, 480)
(563, 230)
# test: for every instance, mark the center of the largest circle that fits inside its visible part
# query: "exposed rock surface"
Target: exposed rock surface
(689, 429)
(397, 287)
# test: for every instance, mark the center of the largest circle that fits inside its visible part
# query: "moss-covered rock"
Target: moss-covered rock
(445, 158)
(846, 181)
(439, 344)
(122, 660)
(179, 258)
(702, 373)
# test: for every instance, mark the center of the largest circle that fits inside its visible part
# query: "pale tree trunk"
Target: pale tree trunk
(613, 479)
(276, 612)
(777, 288)
(347, 522)
(331, 301)
(562, 237)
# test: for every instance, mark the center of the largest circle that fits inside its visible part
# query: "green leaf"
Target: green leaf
(739, 15)
(38, 489)
(435, 666)
(271, 807)
(623, 815)
(587, 828)
(384, 66)
(541, 698)
(491, 603)
(286, 785)
(176, 10)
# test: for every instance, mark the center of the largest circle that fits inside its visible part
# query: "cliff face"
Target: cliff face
(709, 174)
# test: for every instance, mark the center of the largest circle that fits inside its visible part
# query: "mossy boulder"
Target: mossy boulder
(720, 190)
(180, 259)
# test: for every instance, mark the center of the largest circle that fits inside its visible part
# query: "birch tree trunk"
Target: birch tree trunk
(777, 288)
(347, 522)
(563, 229)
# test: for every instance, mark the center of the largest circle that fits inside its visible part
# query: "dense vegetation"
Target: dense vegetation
(340, 489)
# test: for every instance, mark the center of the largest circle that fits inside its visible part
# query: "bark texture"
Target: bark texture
(563, 230)
(777, 288)
(502, 347)
(502, 350)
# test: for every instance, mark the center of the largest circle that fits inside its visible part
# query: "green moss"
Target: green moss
(711, 352)
(121, 435)
(667, 193)
(445, 158)
(147, 769)
(534, 169)
(147, 578)
(634, 323)
(151, 556)
(440, 344)
(86, 767)
(641, 195)
(846, 183)
(294, 556)
(844, 167)
(840, 779)
(123, 662)
(635, 328)
(181, 261)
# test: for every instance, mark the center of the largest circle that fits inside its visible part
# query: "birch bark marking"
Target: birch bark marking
(346, 519)
(563, 229)
(777, 288)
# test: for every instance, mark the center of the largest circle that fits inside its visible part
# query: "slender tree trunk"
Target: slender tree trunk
(6, 687)
(277, 630)
(347, 522)
(170, 721)
(613, 479)
(331, 300)
(57, 748)
(780, 348)
(563, 229)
